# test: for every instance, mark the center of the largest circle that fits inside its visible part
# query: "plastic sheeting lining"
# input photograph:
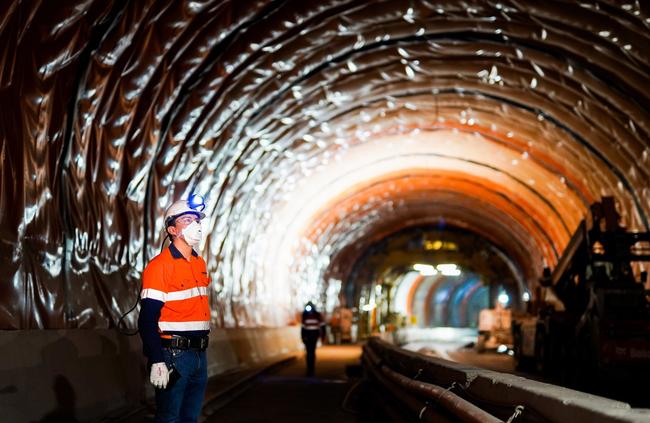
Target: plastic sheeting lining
(313, 129)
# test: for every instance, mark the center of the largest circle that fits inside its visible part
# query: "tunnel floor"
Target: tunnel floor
(287, 395)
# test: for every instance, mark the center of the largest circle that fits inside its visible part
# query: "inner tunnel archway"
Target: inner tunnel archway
(435, 275)
(313, 130)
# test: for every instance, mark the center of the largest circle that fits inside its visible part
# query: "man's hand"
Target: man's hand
(159, 375)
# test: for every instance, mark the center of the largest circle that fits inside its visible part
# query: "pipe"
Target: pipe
(420, 409)
(456, 405)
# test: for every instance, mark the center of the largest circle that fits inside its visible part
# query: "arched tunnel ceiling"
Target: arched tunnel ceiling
(309, 126)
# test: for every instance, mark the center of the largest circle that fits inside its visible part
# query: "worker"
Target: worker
(175, 316)
(312, 329)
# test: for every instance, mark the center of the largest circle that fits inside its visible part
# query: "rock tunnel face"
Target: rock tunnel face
(314, 130)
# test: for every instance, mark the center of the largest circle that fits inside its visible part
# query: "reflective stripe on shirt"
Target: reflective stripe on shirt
(187, 293)
(180, 326)
(312, 324)
(174, 296)
(154, 294)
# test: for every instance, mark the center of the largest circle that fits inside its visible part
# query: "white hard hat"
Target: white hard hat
(193, 205)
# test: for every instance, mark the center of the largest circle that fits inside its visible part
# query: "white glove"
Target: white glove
(159, 375)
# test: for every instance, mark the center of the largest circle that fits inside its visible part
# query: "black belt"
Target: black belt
(185, 342)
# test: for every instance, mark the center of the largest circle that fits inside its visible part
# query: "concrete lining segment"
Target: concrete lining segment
(500, 391)
(39, 367)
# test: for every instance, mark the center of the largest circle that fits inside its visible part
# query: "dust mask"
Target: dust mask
(192, 234)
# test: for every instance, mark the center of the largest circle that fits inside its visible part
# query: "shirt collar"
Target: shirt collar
(177, 254)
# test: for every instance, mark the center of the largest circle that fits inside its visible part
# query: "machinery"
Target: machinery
(494, 328)
(592, 317)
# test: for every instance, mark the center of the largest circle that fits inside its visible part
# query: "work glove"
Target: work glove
(159, 375)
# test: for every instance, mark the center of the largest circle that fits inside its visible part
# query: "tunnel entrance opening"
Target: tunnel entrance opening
(432, 276)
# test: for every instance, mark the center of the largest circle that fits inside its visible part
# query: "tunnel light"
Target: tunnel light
(425, 269)
(502, 348)
(448, 269)
(503, 298)
(369, 307)
(525, 296)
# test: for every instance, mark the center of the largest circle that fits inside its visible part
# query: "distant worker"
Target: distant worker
(175, 316)
(313, 328)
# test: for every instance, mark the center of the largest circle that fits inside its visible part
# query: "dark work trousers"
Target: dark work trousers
(310, 339)
(182, 402)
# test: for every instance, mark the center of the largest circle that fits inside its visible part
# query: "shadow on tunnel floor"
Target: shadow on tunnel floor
(285, 394)
(280, 392)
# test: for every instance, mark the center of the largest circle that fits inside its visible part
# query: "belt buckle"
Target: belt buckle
(180, 342)
(185, 343)
(204, 343)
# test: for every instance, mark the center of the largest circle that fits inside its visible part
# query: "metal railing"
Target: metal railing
(414, 387)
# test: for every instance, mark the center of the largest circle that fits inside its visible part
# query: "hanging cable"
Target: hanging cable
(121, 326)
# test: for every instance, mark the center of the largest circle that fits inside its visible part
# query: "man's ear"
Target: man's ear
(171, 230)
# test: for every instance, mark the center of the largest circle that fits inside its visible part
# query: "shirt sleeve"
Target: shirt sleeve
(154, 285)
(148, 328)
(153, 298)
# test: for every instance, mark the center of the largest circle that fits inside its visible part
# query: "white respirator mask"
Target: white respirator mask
(193, 234)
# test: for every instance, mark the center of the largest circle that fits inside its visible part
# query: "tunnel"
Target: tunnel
(412, 161)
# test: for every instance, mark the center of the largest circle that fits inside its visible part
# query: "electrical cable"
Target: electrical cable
(121, 327)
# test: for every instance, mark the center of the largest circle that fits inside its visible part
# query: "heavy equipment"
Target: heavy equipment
(591, 317)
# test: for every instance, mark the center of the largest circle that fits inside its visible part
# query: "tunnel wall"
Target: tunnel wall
(278, 111)
(92, 373)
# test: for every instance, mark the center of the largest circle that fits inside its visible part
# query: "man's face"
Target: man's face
(181, 223)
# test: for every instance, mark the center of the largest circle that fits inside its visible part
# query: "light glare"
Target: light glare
(425, 269)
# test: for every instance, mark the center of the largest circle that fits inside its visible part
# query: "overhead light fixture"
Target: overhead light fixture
(368, 307)
(432, 245)
(425, 269)
(448, 269)
(503, 298)
(525, 296)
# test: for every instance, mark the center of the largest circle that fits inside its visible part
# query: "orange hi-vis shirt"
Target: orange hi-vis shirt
(182, 286)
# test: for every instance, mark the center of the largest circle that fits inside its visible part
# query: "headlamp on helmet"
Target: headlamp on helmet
(196, 202)
(195, 205)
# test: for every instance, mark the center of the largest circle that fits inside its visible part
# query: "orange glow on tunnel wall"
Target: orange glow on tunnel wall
(548, 229)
